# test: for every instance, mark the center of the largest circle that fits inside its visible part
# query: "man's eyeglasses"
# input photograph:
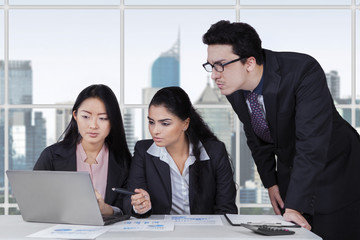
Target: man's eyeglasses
(219, 67)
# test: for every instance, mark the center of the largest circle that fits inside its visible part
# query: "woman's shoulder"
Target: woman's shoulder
(146, 143)
(213, 145)
(59, 148)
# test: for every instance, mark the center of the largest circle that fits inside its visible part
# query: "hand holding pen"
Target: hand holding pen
(123, 191)
(141, 201)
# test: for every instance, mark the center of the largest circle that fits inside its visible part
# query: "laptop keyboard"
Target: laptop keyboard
(110, 219)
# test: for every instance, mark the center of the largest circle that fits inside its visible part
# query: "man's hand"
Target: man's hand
(296, 217)
(275, 199)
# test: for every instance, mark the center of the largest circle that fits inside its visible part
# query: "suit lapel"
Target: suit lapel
(237, 100)
(67, 157)
(163, 170)
(114, 173)
(193, 186)
(270, 90)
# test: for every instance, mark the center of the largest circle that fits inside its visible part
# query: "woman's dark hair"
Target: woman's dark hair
(116, 140)
(176, 101)
(242, 37)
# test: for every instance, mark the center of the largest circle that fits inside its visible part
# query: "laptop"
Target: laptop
(58, 197)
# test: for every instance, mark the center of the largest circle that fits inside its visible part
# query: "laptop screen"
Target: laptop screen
(55, 197)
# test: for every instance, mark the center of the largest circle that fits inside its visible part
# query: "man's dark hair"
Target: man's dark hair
(242, 37)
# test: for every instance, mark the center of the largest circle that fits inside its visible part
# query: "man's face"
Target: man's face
(234, 75)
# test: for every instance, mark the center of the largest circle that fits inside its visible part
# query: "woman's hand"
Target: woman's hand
(141, 201)
(105, 209)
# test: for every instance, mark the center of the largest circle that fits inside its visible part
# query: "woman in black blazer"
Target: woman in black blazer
(184, 169)
(94, 141)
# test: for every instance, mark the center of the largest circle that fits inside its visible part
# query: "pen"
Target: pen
(123, 191)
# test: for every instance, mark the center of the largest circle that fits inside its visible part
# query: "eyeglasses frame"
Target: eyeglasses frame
(222, 65)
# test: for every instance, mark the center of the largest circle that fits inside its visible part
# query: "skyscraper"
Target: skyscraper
(220, 120)
(165, 72)
(333, 82)
(128, 120)
(27, 131)
(62, 120)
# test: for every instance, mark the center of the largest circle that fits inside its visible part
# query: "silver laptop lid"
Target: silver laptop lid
(55, 197)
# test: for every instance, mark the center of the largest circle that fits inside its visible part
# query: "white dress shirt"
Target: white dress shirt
(179, 182)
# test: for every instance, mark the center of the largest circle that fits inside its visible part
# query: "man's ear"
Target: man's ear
(250, 64)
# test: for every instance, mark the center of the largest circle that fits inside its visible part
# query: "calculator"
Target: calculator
(268, 231)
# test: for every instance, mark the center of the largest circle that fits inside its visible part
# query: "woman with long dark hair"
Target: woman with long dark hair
(94, 141)
(184, 168)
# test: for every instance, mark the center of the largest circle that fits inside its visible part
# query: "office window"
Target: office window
(64, 2)
(2, 75)
(14, 211)
(2, 115)
(323, 34)
(2, 154)
(180, 2)
(357, 82)
(345, 113)
(58, 53)
(138, 46)
(159, 53)
(28, 135)
(357, 53)
(295, 2)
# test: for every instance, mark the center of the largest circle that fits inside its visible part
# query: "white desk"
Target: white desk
(13, 227)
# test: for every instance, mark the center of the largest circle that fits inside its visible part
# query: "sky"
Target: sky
(71, 49)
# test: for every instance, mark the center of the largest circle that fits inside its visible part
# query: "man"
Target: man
(307, 156)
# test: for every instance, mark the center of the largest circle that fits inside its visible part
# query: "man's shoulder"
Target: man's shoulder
(235, 97)
(286, 56)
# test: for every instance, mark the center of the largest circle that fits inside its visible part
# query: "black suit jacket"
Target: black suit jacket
(61, 157)
(211, 189)
(317, 151)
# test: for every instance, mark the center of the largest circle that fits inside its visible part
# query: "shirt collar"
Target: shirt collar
(161, 152)
(99, 158)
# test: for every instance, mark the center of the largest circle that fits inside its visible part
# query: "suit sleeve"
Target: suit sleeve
(137, 177)
(262, 153)
(137, 170)
(44, 162)
(264, 158)
(313, 132)
(225, 185)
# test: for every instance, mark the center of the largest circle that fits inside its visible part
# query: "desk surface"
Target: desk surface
(13, 227)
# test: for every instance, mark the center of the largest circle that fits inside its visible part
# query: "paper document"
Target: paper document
(70, 232)
(270, 220)
(195, 219)
(142, 225)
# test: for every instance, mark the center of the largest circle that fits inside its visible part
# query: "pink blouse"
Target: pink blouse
(98, 171)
